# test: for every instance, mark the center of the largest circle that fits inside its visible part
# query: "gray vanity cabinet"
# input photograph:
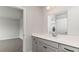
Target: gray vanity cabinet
(34, 44)
(66, 48)
(41, 45)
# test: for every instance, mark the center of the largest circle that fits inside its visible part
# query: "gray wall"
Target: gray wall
(10, 28)
(10, 22)
(11, 45)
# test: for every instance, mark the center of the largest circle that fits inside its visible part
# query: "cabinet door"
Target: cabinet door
(34, 45)
(40, 47)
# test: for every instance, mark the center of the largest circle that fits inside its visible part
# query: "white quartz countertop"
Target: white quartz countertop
(64, 39)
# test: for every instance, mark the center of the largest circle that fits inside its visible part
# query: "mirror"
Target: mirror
(61, 23)
(58, 21)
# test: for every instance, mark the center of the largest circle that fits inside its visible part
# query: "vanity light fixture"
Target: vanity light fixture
(48, 7)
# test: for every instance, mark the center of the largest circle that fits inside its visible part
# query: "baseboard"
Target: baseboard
(9, 37)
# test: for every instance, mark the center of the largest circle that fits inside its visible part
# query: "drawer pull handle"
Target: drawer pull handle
(68, 50)
(44, 46)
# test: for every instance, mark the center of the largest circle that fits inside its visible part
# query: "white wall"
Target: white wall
(33, 23)
(9, 22)
(57, 9)
(73, 21)
(45, 20)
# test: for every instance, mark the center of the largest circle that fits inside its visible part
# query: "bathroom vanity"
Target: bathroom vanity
(46, 43)
(62, 32)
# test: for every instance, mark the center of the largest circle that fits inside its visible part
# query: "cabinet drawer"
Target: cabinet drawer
(45, 48)
(66, 48)
(50, 43)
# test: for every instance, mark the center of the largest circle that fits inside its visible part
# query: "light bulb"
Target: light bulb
(48, 7)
